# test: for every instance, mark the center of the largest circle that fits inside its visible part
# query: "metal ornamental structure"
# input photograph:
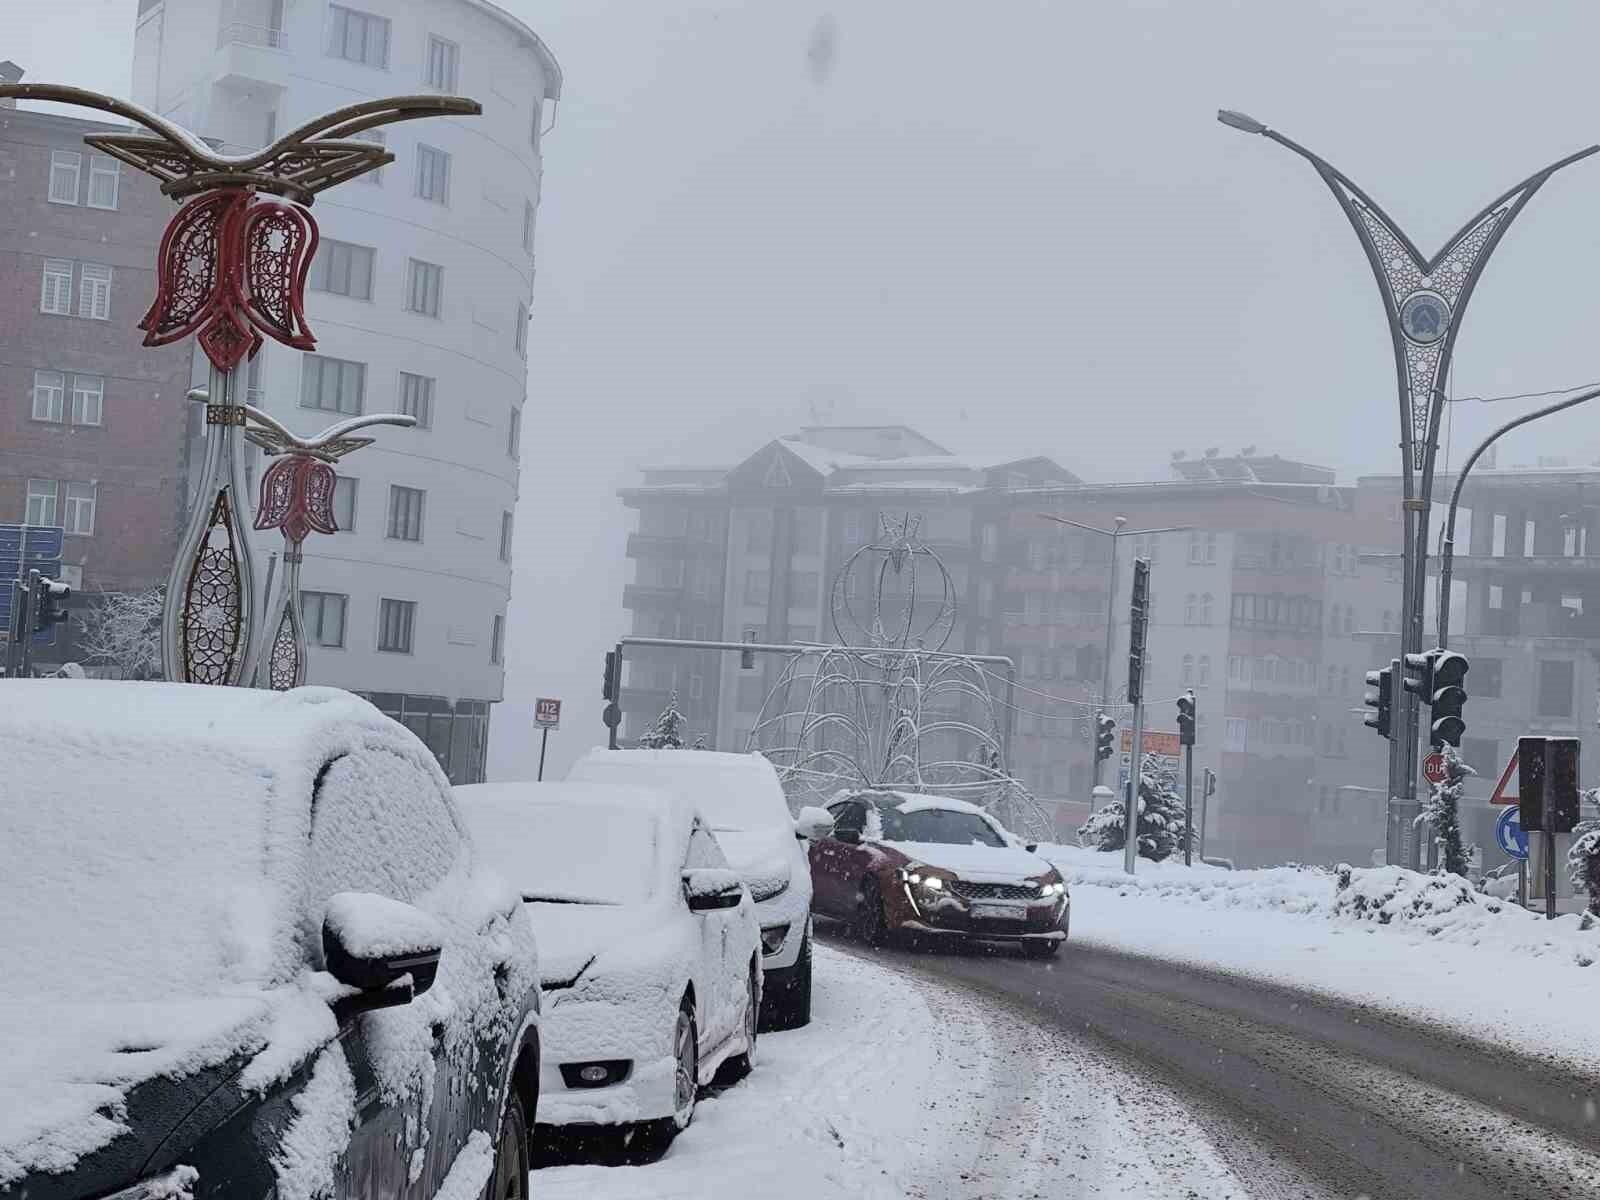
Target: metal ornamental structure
(1424, 299)
(231, 271)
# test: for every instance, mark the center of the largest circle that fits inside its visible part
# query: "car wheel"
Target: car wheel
(740, 1065)
(1040, 949)
(510, 1178)
(786, 998)
(870, 924)
(686, 1069)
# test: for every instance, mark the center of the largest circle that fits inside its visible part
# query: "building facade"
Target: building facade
(92, 423)
(420, 298)
(1262, 603)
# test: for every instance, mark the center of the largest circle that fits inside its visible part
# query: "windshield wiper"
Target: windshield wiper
(533, 898)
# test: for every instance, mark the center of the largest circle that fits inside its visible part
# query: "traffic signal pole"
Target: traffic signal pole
(1138, 631)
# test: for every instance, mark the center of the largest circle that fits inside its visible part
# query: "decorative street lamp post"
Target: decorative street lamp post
(232, 269)
(1424, 299)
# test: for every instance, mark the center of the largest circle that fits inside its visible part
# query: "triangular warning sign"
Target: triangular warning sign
(1506, 776)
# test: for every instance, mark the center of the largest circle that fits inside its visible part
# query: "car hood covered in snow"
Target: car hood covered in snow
(980, 864)
(572, 937)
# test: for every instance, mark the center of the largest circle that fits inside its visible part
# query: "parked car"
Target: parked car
(897, 863)
(740, 797)
(250, 952)
(648, 947)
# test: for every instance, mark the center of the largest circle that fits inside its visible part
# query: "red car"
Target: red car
(895, 862)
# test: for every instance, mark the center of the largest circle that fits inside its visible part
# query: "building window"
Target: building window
(55, 292)
(88, 399)
(94, 291)
(443, 58)
(377, 138)
(41, 507)
(344, 503)
(697, 687)
(1191, 609)
(1202, 675)
(105, 178)
(433, 175)
(396, 620)
(405, 513)
(49, 395)
(1486, 674)
(497, 637)
(323, 615)
(1205, 608)
(416, 398)
(514, 432)
(757, 586)
(519, 334)
(343, 269)
(64, 168)
(505, 538)
(1555, 688)
(80, 508)
(424, 281)
(358, 36)
(1188, 670)
(527, 226)
(333, 384)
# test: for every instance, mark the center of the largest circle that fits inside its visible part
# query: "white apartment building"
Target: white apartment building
(420, 299)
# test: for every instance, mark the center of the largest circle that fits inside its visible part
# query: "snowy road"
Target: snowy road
(1299, 1096)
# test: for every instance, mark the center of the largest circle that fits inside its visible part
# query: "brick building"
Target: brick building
(92, 424)
(1261, 608)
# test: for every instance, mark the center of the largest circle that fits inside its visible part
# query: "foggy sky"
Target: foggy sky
(1016, 226)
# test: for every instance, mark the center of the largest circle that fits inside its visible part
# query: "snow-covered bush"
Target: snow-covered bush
(667, 732)
(1162, 827)
(1583, 862)
(122, 631)
(1389, 895)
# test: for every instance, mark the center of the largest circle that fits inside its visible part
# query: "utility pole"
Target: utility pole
(1138, 628)
(1186, 722)
(1424, 300)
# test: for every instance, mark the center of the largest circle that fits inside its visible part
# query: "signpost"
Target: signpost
(1547, 798)
(25, 548)
(547, 716)
(1138, 627)
(1508, 834)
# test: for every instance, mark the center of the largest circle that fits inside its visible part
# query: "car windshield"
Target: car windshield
(946, 826)
(583, 852)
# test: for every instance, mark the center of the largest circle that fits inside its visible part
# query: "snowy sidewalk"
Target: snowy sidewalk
(906, 1087)
(1488, 970)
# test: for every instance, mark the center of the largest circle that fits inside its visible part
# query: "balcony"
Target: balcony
(637, 596)
(250, 56)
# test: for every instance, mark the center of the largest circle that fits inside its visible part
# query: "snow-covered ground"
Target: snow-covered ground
(906, 1087)
(1390, 939)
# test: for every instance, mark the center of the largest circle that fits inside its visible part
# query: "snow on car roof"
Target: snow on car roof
(909, 802)
(732, 791)
(594, 842)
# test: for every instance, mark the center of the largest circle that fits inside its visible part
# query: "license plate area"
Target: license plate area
(989, 910)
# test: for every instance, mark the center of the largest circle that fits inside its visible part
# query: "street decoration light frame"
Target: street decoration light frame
(1424, 299)
(231, 271)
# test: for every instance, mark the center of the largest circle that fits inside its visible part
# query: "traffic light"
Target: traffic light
(1448, 676)
(1104, 731)
(1211, 782)
(50, 606)
(1381, 701)
(1186, 718)
(1138, 621)
(1418, 676)
(608, 688)
(747, 658)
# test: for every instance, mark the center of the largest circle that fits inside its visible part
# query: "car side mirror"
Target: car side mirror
(1030, 847)
(387, 950)
(709, 888)
(850, 837)
(813, 822)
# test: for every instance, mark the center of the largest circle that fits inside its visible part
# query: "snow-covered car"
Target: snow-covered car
(649, 951)
(250, 952)
(739, 794)
(896, 862)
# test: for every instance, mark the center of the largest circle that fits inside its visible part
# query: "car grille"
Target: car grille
(994, 891)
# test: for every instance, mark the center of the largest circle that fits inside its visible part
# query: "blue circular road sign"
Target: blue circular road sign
(1508, 832)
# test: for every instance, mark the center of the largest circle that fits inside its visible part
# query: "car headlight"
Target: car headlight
(931, 883)
(772, 938)
(1054, 888)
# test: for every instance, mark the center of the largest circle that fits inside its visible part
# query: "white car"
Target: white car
(649, 953)
(739, 794)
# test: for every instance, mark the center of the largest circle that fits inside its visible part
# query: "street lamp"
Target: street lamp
(1447, 536)
(1115, 532)
(1423, 299)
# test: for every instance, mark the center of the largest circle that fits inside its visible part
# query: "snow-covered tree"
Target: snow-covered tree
(700, 743)
(1009, 801)
(1583, 862)
(1442, 810)
(1162, 827)
(667, 733)
(122, 631)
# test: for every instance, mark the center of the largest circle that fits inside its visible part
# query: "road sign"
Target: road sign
(1508, 833)
(25, 548)
(547, 713)
(1500, 795)
(1163, 745)
(1433, 768)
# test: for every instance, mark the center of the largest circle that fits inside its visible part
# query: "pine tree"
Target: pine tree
(1162, 825)
(667, 733)
(700, 743)
(1583, 862)
(1442, 810)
